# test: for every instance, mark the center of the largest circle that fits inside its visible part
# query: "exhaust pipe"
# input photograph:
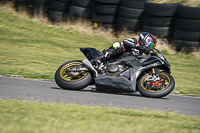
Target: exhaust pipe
(87, 63)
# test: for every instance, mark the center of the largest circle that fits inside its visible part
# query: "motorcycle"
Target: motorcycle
(148, 74)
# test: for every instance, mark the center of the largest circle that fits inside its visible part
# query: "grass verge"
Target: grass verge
(192, 3)
(36, 50)
(31, 117)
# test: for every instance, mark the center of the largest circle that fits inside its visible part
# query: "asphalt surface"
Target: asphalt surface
(48, 91)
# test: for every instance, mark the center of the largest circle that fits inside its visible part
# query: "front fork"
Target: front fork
(154, 76)
(153, 71)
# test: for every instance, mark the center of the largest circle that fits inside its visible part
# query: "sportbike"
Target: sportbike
(148, 74)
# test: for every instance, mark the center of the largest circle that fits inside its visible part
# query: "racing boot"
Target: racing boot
(114, 50)
(99, 59)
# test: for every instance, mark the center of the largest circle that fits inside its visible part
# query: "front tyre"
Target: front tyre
(156, 89)
(68, 79)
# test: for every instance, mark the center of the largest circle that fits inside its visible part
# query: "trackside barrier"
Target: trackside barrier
(176, 21)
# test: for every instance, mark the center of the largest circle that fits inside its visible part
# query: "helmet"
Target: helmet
(147, 39)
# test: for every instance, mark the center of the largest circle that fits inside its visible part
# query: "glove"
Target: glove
(146, 51)
(143, 49)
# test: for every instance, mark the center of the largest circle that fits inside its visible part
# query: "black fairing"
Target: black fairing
(155, 59)
(90, 53)
(149, 61)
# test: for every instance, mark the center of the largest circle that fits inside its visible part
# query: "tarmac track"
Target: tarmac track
(48, 91)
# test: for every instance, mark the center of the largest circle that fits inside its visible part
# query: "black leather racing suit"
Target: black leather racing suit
(126, 45)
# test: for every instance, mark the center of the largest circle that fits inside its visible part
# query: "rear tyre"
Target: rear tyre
(156, 89)
(72, 80)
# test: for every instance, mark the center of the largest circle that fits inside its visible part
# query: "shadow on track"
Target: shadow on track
(94, 90)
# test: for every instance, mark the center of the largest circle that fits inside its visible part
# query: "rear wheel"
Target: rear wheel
(66, 78)
(158, 87)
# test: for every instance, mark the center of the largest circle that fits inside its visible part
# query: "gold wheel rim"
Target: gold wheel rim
(163, 87)
(64, 72)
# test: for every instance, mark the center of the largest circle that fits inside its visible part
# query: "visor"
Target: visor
(151, 45)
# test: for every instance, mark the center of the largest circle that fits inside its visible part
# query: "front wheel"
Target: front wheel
(66, 78)
(160, 87)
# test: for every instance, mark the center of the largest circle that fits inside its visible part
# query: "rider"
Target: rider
(145, 43)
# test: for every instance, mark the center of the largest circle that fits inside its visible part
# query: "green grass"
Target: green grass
(185, 70)
(36, 50)
(192, 3)
(31, 117)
